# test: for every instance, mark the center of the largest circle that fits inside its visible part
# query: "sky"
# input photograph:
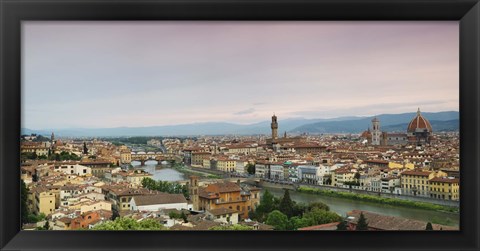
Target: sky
(138, 73)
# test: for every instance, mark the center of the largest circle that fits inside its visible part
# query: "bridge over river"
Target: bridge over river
(142, 157)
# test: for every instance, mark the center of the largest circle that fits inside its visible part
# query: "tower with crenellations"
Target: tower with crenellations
(274, 126)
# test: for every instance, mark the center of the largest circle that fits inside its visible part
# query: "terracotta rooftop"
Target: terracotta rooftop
(384, 222)
(328, 226)
(221, 211)
(416, 173)
(445, 180)
(163, 198)
(223, 187)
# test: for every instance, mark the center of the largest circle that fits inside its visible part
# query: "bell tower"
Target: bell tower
(193, 191)
(274, 126)
(376, 133)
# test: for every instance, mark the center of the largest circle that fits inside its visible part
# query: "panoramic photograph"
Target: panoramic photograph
(245, 125)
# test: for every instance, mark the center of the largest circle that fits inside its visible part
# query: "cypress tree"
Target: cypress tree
(286, 204)
(362, 224)
(342, 226)
(23, 205)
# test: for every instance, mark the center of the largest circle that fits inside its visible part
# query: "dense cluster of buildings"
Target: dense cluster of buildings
(417, 162)
(93, 188)
(79, 194)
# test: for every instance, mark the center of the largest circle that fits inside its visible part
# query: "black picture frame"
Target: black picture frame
(14, 11)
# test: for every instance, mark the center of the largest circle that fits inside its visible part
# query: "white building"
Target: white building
(308, 174)
(74, 169)
(240, 166)
(261, 170)
(158, 201)
(325, 171)
(388, 184)
(277, 172)
(223, 215)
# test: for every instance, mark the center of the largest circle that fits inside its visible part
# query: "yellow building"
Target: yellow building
(44, 201)
(125, 156)
(206, 163)
(226, 165)
(242, 148)
(94, 206)
(34, 147)
(445, 188)
(198, 157)
(396, 165)
(226, 195)
(135, 178)
(416, 182)
(120, 196)
(340, 176)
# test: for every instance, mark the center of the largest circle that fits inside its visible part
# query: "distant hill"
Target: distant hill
(437, 125)
(388, 122)
(293, 125)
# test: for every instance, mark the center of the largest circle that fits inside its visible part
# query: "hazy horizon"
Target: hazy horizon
(255, 122)
(141, 74)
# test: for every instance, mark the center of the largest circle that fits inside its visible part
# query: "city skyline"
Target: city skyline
(106, 74)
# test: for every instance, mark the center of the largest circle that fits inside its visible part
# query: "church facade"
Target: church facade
(419, 132)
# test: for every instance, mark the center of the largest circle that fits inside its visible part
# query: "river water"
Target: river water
(338, 205)
(342, 206)
(159, 171)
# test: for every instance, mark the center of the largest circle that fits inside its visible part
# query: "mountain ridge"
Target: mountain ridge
(350, 124)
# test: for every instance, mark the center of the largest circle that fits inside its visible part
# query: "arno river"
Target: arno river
(338, 205)
(164, 173)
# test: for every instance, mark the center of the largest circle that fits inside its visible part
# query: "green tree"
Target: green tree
(184, 217)
(267, 205)
(165, 186)
(286, 204)
(115, 214)
(328, 181)
(299, 208)
(34, 218)
(47, 225)
(299, 222)
(429, 226)
(174, 215)
(342, 226)
(318, 205)
(123, 223)
(23, 203)
(278, 220)
(356, 176)
(362, 224)
(251, 168)
(318, 216)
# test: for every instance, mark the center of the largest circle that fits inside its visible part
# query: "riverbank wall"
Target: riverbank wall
(265, 184)
(448, 203)
(208, 171)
